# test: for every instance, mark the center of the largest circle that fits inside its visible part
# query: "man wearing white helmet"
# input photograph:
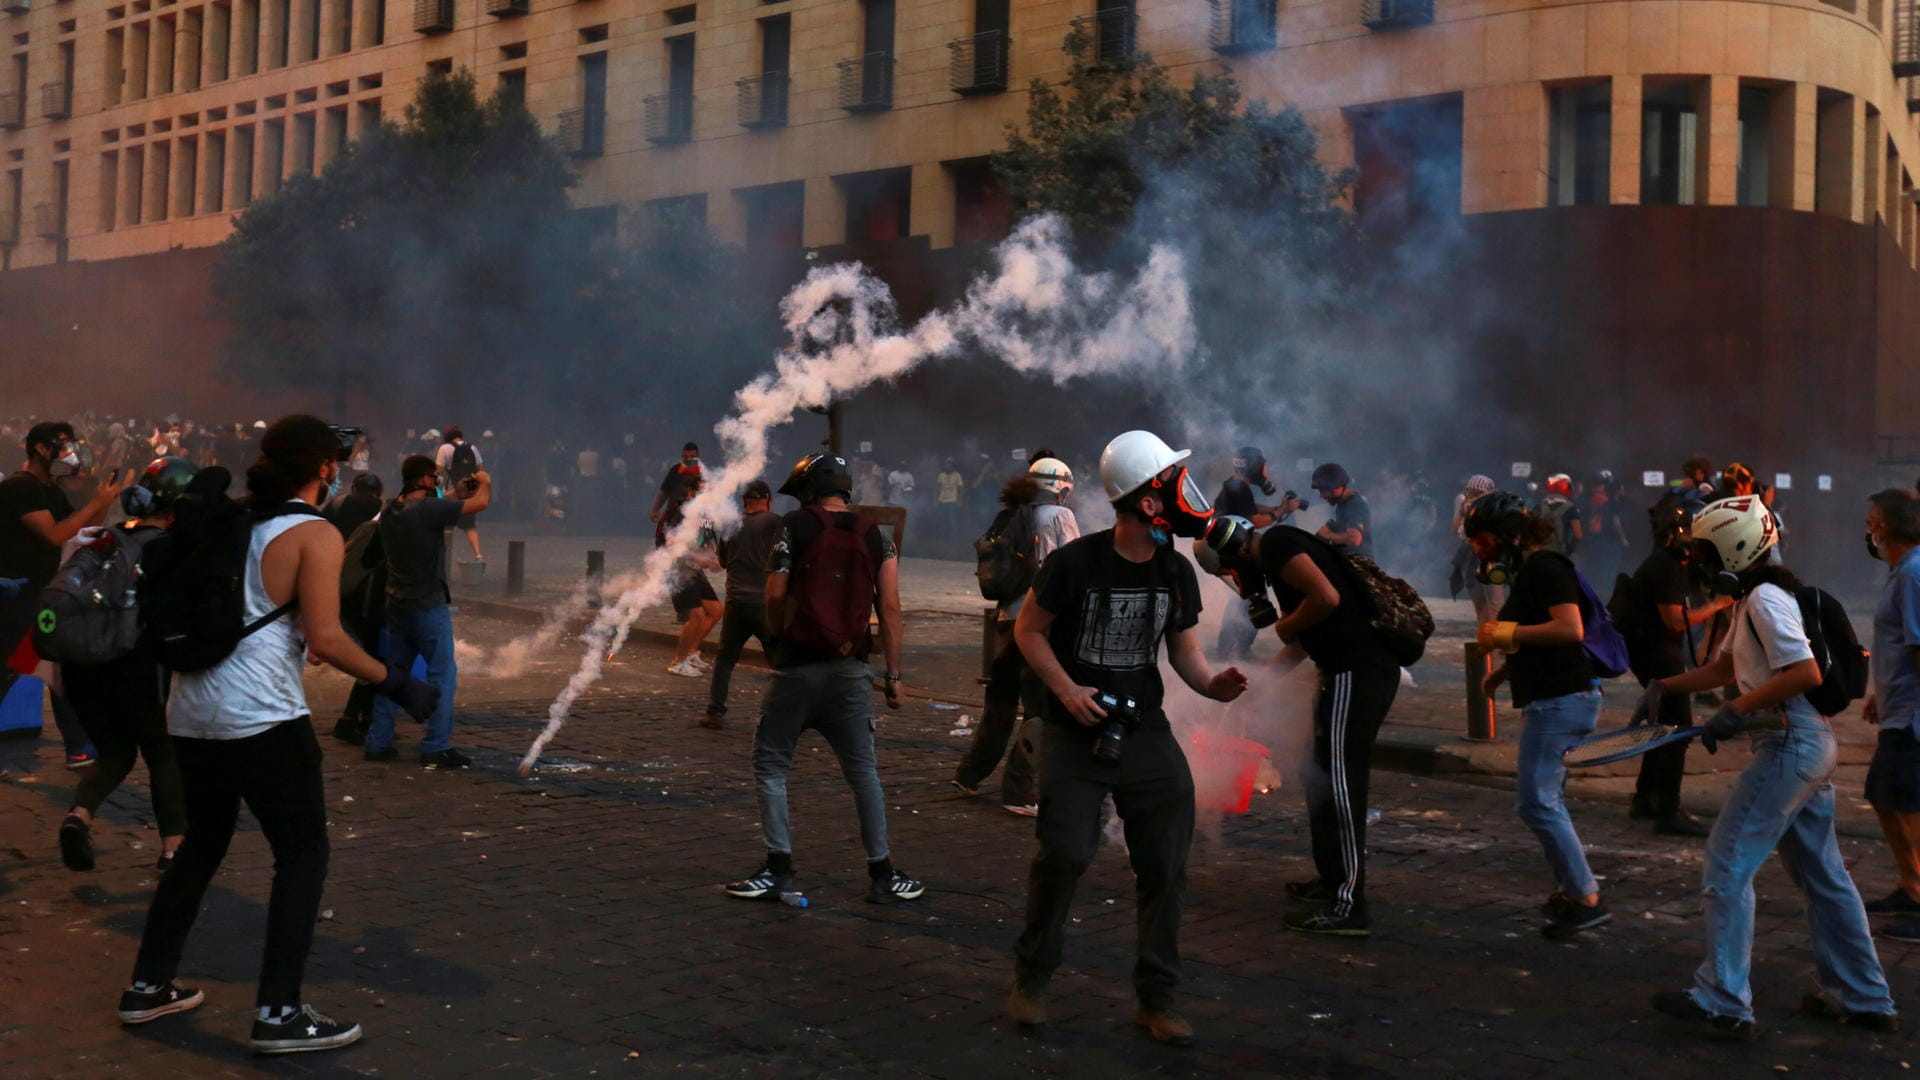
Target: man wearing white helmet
(1034, 505)
(1783, 799)
(1091, 628)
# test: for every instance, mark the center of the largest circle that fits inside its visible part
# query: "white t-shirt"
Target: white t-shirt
(1767, 636)
(899, 486)
(1054, 527)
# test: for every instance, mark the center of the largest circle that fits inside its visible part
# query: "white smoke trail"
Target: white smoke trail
(1035, 312)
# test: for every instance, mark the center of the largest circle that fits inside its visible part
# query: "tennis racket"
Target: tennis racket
(1611, 746)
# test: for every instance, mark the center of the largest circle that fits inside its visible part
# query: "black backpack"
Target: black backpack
(193, 591)
(464, 463)
(1003, 555)
(89, 612)
(363, 576)
(1844, 670)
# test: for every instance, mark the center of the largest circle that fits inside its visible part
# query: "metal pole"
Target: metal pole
(1480, 707)
(516, 567)
(596, 576)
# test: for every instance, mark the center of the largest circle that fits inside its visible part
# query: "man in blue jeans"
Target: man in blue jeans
(419, 623)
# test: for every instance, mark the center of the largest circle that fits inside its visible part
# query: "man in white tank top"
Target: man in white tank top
(242, 733)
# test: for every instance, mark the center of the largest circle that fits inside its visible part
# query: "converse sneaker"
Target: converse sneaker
(762, 884)
(897, 887)
(138, 1006)
(303, 1029)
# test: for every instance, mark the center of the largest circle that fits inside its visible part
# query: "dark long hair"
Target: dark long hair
(292, 453)
(1768, 572)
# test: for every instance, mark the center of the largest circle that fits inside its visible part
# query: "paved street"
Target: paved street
(571, 925)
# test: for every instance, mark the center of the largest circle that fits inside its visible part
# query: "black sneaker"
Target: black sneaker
(350, 729)
(1574, 917)
(1894, 903)
(1822, 1007)
(1680, 1005)
(76, 844)
(1901, 931)
(304, 1030)
(445, 759)
(1681, 823)
(137, 1007)
(1558, 904)
(385, 753)
(897, 887)
(762, 884)
(165, 861)
(1313, 891)
(1350, 924)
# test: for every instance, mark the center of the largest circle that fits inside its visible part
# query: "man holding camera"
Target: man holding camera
(419, 620)
(1350, 528)
(1091, 629)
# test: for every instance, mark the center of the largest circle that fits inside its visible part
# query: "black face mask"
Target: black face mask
(1873, 548)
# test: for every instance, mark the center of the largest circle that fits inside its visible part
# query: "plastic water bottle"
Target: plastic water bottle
(794, 898)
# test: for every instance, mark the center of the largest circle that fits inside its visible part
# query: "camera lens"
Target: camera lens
(1106, 742)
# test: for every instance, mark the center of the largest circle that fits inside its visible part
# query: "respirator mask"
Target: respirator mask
(1705, 569)
(1496, 561)
(1227, 552)
(1184, 509)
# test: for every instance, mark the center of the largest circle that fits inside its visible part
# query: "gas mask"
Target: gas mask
(1252, 465)
(1227, 552)
(1495, 561)
(1706, 570)
(1184, 509)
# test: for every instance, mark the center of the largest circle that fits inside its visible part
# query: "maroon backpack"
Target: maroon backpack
(831, 594)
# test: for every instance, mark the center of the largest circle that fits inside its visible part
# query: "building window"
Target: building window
(1756, 152)
(775, 217)
(1579, 144)
(878, 205)
(1408, 159)
(1834, 159)
(1670, 145)
(676, 212)
(513, 87)
(982, 213)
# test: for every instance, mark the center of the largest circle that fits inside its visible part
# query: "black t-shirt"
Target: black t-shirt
(1661, 579)
(1236, 499)
(797, 531)
(22, 553)
(1539, 672)
(1116, 649)
(1344, 640)
(1354, 513)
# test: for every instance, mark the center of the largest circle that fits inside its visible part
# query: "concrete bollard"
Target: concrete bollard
(1480, 707)
(596, 576)
(516, 567)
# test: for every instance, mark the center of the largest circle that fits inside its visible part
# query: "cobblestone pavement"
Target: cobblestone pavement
(571, 925)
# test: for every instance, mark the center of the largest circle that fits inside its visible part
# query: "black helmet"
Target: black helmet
(817, 476)
(163, 482)
(1497, 513)
(1672, 514)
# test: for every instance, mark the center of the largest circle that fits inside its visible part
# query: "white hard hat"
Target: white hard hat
(1134, 458)
(1053, 475)
(1741, 529)
(260, 425)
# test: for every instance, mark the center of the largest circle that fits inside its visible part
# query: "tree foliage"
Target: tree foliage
(1120, 149)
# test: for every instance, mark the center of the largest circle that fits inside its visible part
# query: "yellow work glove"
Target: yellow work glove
(1498, 635)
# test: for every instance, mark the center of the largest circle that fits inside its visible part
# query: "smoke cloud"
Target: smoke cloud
(1035, 312)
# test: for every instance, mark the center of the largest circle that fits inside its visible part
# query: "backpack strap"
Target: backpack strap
(285, 509)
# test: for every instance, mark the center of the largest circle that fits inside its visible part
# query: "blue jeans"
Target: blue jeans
(1552, 725)
(835, 698)
(410, 634)
(1785, 800)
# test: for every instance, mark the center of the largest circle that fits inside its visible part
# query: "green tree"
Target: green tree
(1119, 149)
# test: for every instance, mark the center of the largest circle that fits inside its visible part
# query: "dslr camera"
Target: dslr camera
(1304, 500)
(1123, 715)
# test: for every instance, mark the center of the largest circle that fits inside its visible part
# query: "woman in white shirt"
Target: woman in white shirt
(1783, 800)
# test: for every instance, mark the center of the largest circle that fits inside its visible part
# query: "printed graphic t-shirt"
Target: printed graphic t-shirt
(1115, 648)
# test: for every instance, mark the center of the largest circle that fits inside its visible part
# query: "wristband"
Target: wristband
(892, 678)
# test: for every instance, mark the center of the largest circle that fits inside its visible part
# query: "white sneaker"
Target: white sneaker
(700, 662)
(685, 669)
(1024, 810)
